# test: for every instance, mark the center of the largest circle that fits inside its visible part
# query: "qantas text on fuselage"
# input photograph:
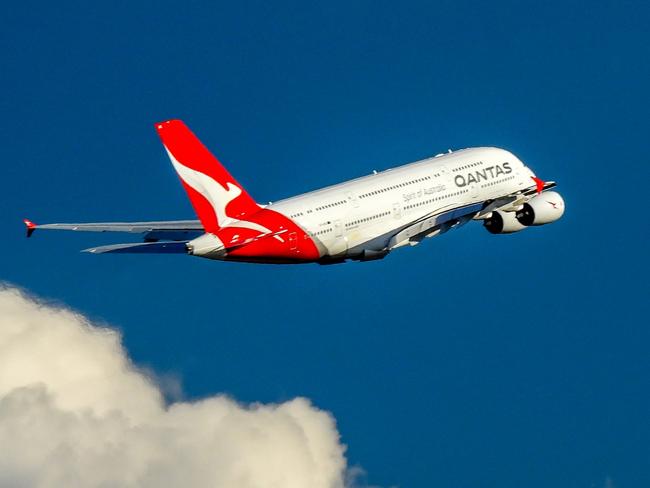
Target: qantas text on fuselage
(362, 219)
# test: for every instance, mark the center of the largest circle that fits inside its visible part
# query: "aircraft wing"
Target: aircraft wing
(544, 185)
(444, 220)
(510, 202)
(174, 230)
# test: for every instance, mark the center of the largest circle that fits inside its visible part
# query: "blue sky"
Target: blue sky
(470, 360)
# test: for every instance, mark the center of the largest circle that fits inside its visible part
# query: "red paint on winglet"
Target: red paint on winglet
(31, 227)
(538, 183)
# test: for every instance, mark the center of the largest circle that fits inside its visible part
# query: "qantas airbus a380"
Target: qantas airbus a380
(362, 219)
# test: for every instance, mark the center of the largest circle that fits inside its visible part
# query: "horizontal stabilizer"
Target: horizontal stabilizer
(142, 248)
(133, 227)
(169, 230)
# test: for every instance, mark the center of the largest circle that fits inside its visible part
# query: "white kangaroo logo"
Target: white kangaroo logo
(214, 193)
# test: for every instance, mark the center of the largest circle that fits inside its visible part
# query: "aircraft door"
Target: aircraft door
(352, 198)
(338, 229)
(293, 241)
(397, 210)
(444, 172)
(339, 244)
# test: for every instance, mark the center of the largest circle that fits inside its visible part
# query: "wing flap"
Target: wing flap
(433, 224)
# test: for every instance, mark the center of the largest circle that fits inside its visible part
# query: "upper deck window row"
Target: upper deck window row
(330, 205)
(467, 166)
(399, 185)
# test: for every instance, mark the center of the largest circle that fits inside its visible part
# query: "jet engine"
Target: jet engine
(503, 223)
(542, 209)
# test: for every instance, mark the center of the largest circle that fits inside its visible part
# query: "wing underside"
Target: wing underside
(443, 220)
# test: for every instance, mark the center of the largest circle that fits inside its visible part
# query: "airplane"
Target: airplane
(363, 219)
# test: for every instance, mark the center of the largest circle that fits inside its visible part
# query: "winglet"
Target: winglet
(31, 227)
(539, 183)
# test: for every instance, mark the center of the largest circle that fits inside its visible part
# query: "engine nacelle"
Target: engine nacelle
(503, 223)
(542, 209)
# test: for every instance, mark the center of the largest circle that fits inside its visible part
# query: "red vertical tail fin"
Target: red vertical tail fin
(216, 196)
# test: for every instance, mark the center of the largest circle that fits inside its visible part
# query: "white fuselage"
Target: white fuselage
(343, 219)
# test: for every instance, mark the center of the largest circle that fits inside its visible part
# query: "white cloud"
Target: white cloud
(74, 411)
